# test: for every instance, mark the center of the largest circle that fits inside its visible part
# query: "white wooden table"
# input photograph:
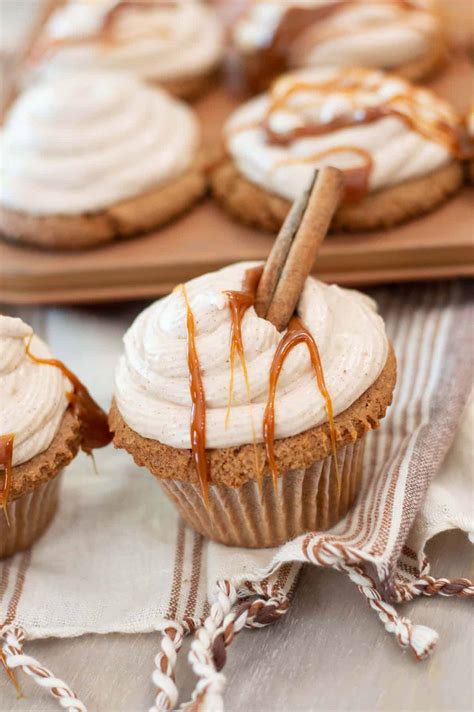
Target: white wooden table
(330, 651)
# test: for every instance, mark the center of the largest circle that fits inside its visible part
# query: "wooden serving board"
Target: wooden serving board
(438, 245)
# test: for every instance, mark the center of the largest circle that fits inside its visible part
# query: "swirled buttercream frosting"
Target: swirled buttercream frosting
(157, 40)
(378, 128)
(85, 141)
(32, 396)
(374, 33)
(152, 376)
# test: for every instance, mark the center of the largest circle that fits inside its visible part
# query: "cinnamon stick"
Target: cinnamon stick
(279, 254)
(294, 252)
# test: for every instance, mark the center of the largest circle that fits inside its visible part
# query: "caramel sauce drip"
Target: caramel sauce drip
(198, 399)
(6, 460)
(404, 106)
(239, 303)
(104, 33)
(94, 427)
(356, 178)
(296, 334)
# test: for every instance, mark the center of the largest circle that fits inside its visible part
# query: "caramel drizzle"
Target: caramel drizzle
(6, 463)
(356, 178)
(94, 428)
(296, 334)
(403, 106)
(239, 303)
(104, 33)
(198, 400)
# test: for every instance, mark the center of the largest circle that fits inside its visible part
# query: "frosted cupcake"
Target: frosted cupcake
(248, 451)
(273, 37)
(400, 148)
(470, 133)
(88, 158)
(177, 45)
(46, 415)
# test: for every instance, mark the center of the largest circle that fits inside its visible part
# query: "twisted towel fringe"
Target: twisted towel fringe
(15, 658)
(173, 634)
(430, 586)
(208, 649)
(419, 638)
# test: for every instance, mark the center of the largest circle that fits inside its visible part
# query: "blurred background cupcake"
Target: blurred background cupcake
(399, 145)
(90, 157)
(46, 416)
(274, 36)
(178, 45)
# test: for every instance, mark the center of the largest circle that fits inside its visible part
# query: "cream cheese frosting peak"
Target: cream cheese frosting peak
(152, 376)
(364, 122)
(155, 39)
(373, 33)
(82, 142)
(32, 396)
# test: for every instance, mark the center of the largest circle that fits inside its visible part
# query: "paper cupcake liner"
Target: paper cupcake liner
(305, 500)
(29, 517)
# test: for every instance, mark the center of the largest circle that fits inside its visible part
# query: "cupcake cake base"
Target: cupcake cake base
(308, 496)
(35, 489)
(129, 217)
(253, 205)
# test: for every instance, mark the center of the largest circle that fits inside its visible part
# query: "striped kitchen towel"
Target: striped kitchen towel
(117, 558)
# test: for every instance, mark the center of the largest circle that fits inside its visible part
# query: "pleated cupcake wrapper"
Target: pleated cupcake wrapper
(29, 517)
(305, 500)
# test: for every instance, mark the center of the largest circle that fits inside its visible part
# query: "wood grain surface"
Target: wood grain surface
(435, 246)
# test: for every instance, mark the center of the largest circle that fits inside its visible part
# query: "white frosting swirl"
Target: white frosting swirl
(164, 41)
(383, 34)
(85, 141)
(300, 99)
(152, 377)
(32, 395)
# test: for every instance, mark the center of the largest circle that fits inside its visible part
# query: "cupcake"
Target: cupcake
(46, 416)
(256, 435)
(273, 37)
(399, 146)
(177, 45)
(470, 139)
(89, 158)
